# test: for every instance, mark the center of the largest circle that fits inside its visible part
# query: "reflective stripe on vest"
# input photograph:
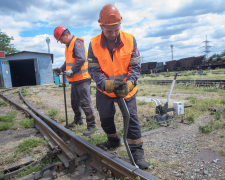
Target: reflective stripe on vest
(118, 68)
(70, 61)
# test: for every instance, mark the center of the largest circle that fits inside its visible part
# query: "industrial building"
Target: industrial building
(26, 69)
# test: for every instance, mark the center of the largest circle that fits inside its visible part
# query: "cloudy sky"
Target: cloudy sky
(156, 24)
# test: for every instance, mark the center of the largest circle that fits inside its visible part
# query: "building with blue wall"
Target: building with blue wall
(26, 69)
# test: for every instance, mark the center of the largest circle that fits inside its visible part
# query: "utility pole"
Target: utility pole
(171, 50)
(142, 59)
(207, 51)
(48, 41)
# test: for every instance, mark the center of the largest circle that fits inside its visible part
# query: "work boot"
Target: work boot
(78, 121)
(89, 131)
(109, 144)
(142, 164)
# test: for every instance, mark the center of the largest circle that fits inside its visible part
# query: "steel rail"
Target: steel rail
(102, 160)
(196, 82)
(68, 156)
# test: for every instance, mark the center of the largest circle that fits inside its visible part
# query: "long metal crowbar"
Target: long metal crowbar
(127, 122)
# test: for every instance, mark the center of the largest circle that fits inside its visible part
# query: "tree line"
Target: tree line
(5, 44)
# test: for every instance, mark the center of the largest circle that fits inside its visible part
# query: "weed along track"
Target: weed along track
(71, 149)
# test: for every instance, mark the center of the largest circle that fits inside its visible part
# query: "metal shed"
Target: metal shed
(26, 68)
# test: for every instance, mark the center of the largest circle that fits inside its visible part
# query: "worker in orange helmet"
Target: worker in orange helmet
(114, 63)
(76, 67)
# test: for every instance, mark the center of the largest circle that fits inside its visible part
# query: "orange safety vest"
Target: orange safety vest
(70, 61)
(118, 68)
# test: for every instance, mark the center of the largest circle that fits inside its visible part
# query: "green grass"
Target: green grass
(192, 99)
(141, 102)
(217, 123)
(95, 139)
(184, 75)
(62, 118)
(152, 163)
(201, 106)
(5, 126)
(144, 94)
(13, 127)
(39, 103)
(218, 115)
(120, 132)
(26, 123)
(37, 167)
(52, 112)
(3, 103)
(25, 92)
(149, 125)
(211, 126)
(222, 101)
(9, 117)
(190, 119)
(28, 144)
(6, 121)
(153, 95)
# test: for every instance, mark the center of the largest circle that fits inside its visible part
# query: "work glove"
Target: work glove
(121, 88)
(69, 73)
(57, 71)
(130, 86)
(109, 86)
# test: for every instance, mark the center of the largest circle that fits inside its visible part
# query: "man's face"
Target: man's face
(65, 39)
(111, 31)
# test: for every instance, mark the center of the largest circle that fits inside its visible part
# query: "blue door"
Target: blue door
(6, 74)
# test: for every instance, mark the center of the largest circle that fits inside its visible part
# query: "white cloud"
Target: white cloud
(155, 24)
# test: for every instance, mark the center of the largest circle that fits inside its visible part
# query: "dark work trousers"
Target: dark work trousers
(80, 99)
(106, 109)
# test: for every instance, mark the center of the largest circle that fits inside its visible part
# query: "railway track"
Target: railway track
(206, 83)
(70, 154)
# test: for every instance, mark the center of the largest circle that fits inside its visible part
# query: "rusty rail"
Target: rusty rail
(68, 156)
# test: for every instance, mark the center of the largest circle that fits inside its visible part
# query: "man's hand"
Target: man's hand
(120, 89)
(57, 71)
(130, 86)
(109, 86)
(69, 73)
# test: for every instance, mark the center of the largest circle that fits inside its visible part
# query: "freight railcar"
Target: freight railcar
(190, 63)
(212, 63)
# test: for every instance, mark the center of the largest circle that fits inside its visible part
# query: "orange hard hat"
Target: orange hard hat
(58, 32)
(109, 15)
